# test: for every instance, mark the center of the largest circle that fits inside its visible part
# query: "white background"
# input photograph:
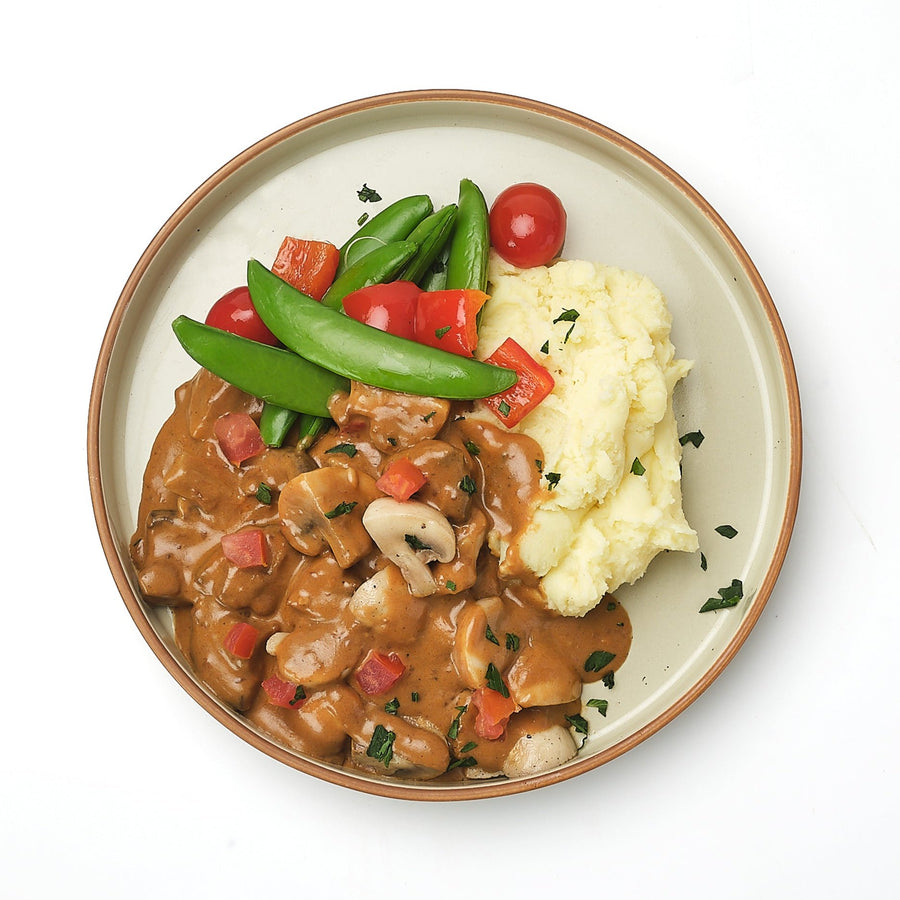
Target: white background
(781, 779)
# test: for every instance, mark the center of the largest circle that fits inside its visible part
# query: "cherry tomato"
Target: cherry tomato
(388, 307)
(235, 312)
(528, 225)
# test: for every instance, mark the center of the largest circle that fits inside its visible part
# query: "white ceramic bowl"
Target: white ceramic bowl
(625, 208)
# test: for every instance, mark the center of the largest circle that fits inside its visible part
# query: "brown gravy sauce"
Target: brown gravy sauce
(192, 496)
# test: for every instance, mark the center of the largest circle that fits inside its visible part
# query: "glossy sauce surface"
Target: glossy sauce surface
(481, 478)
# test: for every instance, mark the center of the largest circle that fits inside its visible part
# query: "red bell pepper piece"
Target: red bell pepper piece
(492, 712)
(401, 479)
(534, 384)
(283, 693)
(246, 548)
(241, 640)
(309, 266)
(388, 307)
(379, 672)
(446, 319)
(238, 436)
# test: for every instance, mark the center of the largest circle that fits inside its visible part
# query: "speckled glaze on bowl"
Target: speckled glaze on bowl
(625, 208)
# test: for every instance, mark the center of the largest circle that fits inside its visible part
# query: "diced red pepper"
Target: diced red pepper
(388, 307)
(379, 672)
(283, 693)
(309, 266)
(401, 479)
(238, 436)
(446, 319)
(246, 548)
(493, 712)
(534, 384)
(241, 640)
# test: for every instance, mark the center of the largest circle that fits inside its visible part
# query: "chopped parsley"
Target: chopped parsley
(728, 597)
(490, 636)
(415, 543)
(429, 416)
(727, 531)
(264, 494)
(611, 605)
(440, 332)
(598, 660)
(362, 218)
(512, 641)
(392, 706)
(600, 705)
(341, 509)
(473, 448)
(504, 408)
(464, 762)
(414, 696)
(495, 681)
(579, 723)
(637, 467)
(348, 449)
(567, 315)
(545, 347)
(692, 437)
(552, 479)
(367, 194)
(381, 747)
(609, 680)
(451, 586)
(468, 485)
(539, 465)
(453, 730)
(703, 562)
(299, 694)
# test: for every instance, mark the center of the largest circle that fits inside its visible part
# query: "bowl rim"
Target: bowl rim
(474, 789)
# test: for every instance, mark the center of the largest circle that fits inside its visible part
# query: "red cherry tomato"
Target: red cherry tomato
(388, 307)
(528, 225)
(236, 313)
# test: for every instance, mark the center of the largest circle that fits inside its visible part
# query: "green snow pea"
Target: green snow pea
(381, 265)
(431, 234)
(362, 353)
(393, 223)
(275, 375)
(471, 242)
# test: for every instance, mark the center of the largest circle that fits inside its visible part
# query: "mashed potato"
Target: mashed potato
(615, 370)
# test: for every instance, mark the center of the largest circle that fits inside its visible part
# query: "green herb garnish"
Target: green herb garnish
(341, 509)
(299, 694)
(552, 479)
(728, 597)
(362, 218)
(504, 408)
(727, 531)
(490, 636)
(415, 543)
(637, 468)
(703, 562)
(468, 485)
(495, 681)
(381, 747)
(429, 416)
(567, 315)
(598, 660)
(473, 448)
(512, 641)
(578, 722)
(453, 730)
(545, 347)
(414, 696)
(451, 586)
(264, 494)
(440, 332)
(392, 706)
(600, 705)
(367, 194)
(348, 449)
(609, 680)
(692, 437)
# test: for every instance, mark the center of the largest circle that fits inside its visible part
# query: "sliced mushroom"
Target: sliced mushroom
(324, 508)
(539, 751)
(411, 535)
(541, 676)
(473, 650)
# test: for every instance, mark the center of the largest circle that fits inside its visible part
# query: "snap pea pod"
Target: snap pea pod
(376, 267)
(363, 353)
(275, 423)
(431, 234)
(471, 242)
(275, 375)
(435, 279)
(393, 223)
(309, 428)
